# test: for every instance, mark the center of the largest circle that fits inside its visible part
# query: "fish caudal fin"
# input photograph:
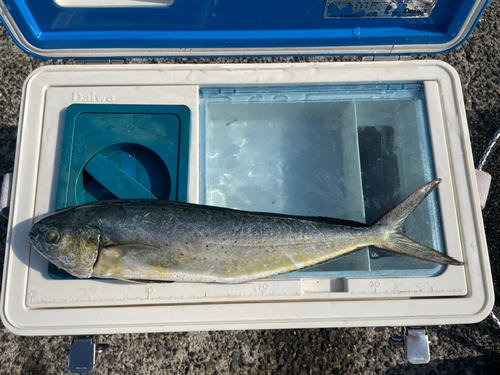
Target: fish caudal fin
(404, 245)
(392, 223)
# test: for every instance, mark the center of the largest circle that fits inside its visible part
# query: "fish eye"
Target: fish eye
(52, 235)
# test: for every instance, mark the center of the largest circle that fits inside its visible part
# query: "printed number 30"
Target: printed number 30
(375, 284)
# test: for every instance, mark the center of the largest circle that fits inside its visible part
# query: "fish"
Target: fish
(152, 240)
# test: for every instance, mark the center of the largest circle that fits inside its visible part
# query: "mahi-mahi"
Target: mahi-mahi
(171, 241)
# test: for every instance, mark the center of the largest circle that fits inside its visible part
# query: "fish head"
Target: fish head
(67, 241)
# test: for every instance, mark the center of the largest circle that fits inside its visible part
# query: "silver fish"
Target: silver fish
(162, 240)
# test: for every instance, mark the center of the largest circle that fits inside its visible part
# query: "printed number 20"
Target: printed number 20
(263, 286)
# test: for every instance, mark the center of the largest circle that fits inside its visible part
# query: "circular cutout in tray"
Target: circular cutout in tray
(124, 171)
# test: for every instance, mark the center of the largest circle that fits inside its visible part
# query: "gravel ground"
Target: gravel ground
(460, 349)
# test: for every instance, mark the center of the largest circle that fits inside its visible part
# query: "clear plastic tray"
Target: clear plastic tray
(346, 151)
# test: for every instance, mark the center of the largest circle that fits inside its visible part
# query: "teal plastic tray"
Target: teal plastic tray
(123, 152)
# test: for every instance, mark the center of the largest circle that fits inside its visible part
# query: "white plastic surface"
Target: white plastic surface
(34, 304)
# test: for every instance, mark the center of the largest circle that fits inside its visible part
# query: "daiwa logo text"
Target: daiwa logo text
(415, 10)
(78, 97)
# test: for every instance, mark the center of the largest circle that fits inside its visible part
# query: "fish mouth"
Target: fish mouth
(34, 236)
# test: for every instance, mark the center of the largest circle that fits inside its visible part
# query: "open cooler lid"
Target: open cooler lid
(140, 28)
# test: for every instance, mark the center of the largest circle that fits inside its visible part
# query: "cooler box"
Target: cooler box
(346, 140)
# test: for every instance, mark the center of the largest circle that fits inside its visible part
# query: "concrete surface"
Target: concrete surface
(460, 349)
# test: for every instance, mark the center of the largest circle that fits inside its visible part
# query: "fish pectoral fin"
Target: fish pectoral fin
(128, 249)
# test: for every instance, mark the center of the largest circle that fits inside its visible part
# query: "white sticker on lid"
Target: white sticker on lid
(379, 8)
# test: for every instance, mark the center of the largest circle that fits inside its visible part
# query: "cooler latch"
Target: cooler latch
(5, 194)
(82, 354)
(386, 58)
(99, 61)
(416, 344)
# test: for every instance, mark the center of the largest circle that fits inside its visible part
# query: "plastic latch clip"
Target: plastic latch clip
(5, 194)
(416, 343)
(82, 354)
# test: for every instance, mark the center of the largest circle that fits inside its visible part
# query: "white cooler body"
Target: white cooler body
(253, 146)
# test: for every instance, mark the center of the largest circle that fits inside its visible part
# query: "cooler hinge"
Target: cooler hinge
(98, 61)
(386, 58)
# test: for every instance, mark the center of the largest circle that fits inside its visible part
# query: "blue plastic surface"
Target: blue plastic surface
(124, 152)
(228, 25)
(113, 151)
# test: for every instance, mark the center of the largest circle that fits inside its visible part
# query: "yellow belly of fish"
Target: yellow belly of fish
(225, 261)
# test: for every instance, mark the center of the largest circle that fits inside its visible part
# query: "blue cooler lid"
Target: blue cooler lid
(162, 28)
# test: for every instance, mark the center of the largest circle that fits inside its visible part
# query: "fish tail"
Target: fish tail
(394, 240)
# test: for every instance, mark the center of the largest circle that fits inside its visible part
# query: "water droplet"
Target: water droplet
(356, 32)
